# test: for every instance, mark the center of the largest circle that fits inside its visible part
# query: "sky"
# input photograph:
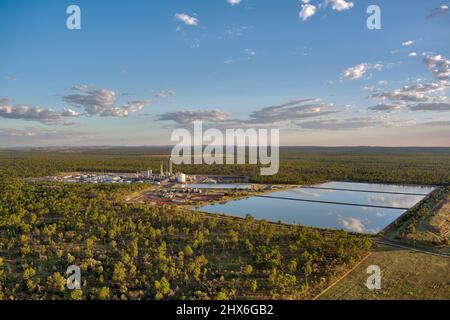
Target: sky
(137, 70)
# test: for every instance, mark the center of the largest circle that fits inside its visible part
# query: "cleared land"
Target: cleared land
(405, 275)
(435, 228)
(426, 226)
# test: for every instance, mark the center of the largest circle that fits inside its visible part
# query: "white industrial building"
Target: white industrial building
(181, 178)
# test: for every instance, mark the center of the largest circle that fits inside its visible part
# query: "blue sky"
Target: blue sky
(137, 70)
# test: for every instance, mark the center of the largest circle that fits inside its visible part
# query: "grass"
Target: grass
(426, 225)
(406, 275)
(435, 229)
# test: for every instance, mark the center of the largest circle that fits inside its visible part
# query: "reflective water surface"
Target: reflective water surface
(350, 218)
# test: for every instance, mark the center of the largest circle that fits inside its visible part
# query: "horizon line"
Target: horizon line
(171, 146)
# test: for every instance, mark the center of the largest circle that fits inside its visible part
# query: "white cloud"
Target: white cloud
(286, 113)
(439, 65)
(189, 116)
(427, 96)
(434, 106)
(408, 43)
(438, 11)
(234, 2)
(342, 124)
(358, 71)
(389, 107)
(355, 72)
(290, 111)
(412, 54)
(70, 113)
(399, 95)
(101, 102)
(98, 102)
(425, 87)
(27, 113)
(417, 92)
(339, 5)
(307, 11)
(187, 19)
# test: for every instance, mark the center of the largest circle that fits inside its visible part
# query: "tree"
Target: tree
(1, 279)
(292, 266)
(221, 296)
(248, 246)
(28, 273)
(284, 282)
(103, 294)
(253, 285)
(76, 295)
(56, 282)
(162, 288)
(307, 268)
(188, 251)
(119, 273)
(248, 269)
(1, 270)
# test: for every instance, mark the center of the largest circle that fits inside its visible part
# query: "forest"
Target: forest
(138, 252)
(298, 165)
(134, 251)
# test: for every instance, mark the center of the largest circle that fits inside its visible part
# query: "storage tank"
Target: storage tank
(181, 178)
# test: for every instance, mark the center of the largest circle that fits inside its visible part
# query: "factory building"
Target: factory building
(146, 174)
(181, 178)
